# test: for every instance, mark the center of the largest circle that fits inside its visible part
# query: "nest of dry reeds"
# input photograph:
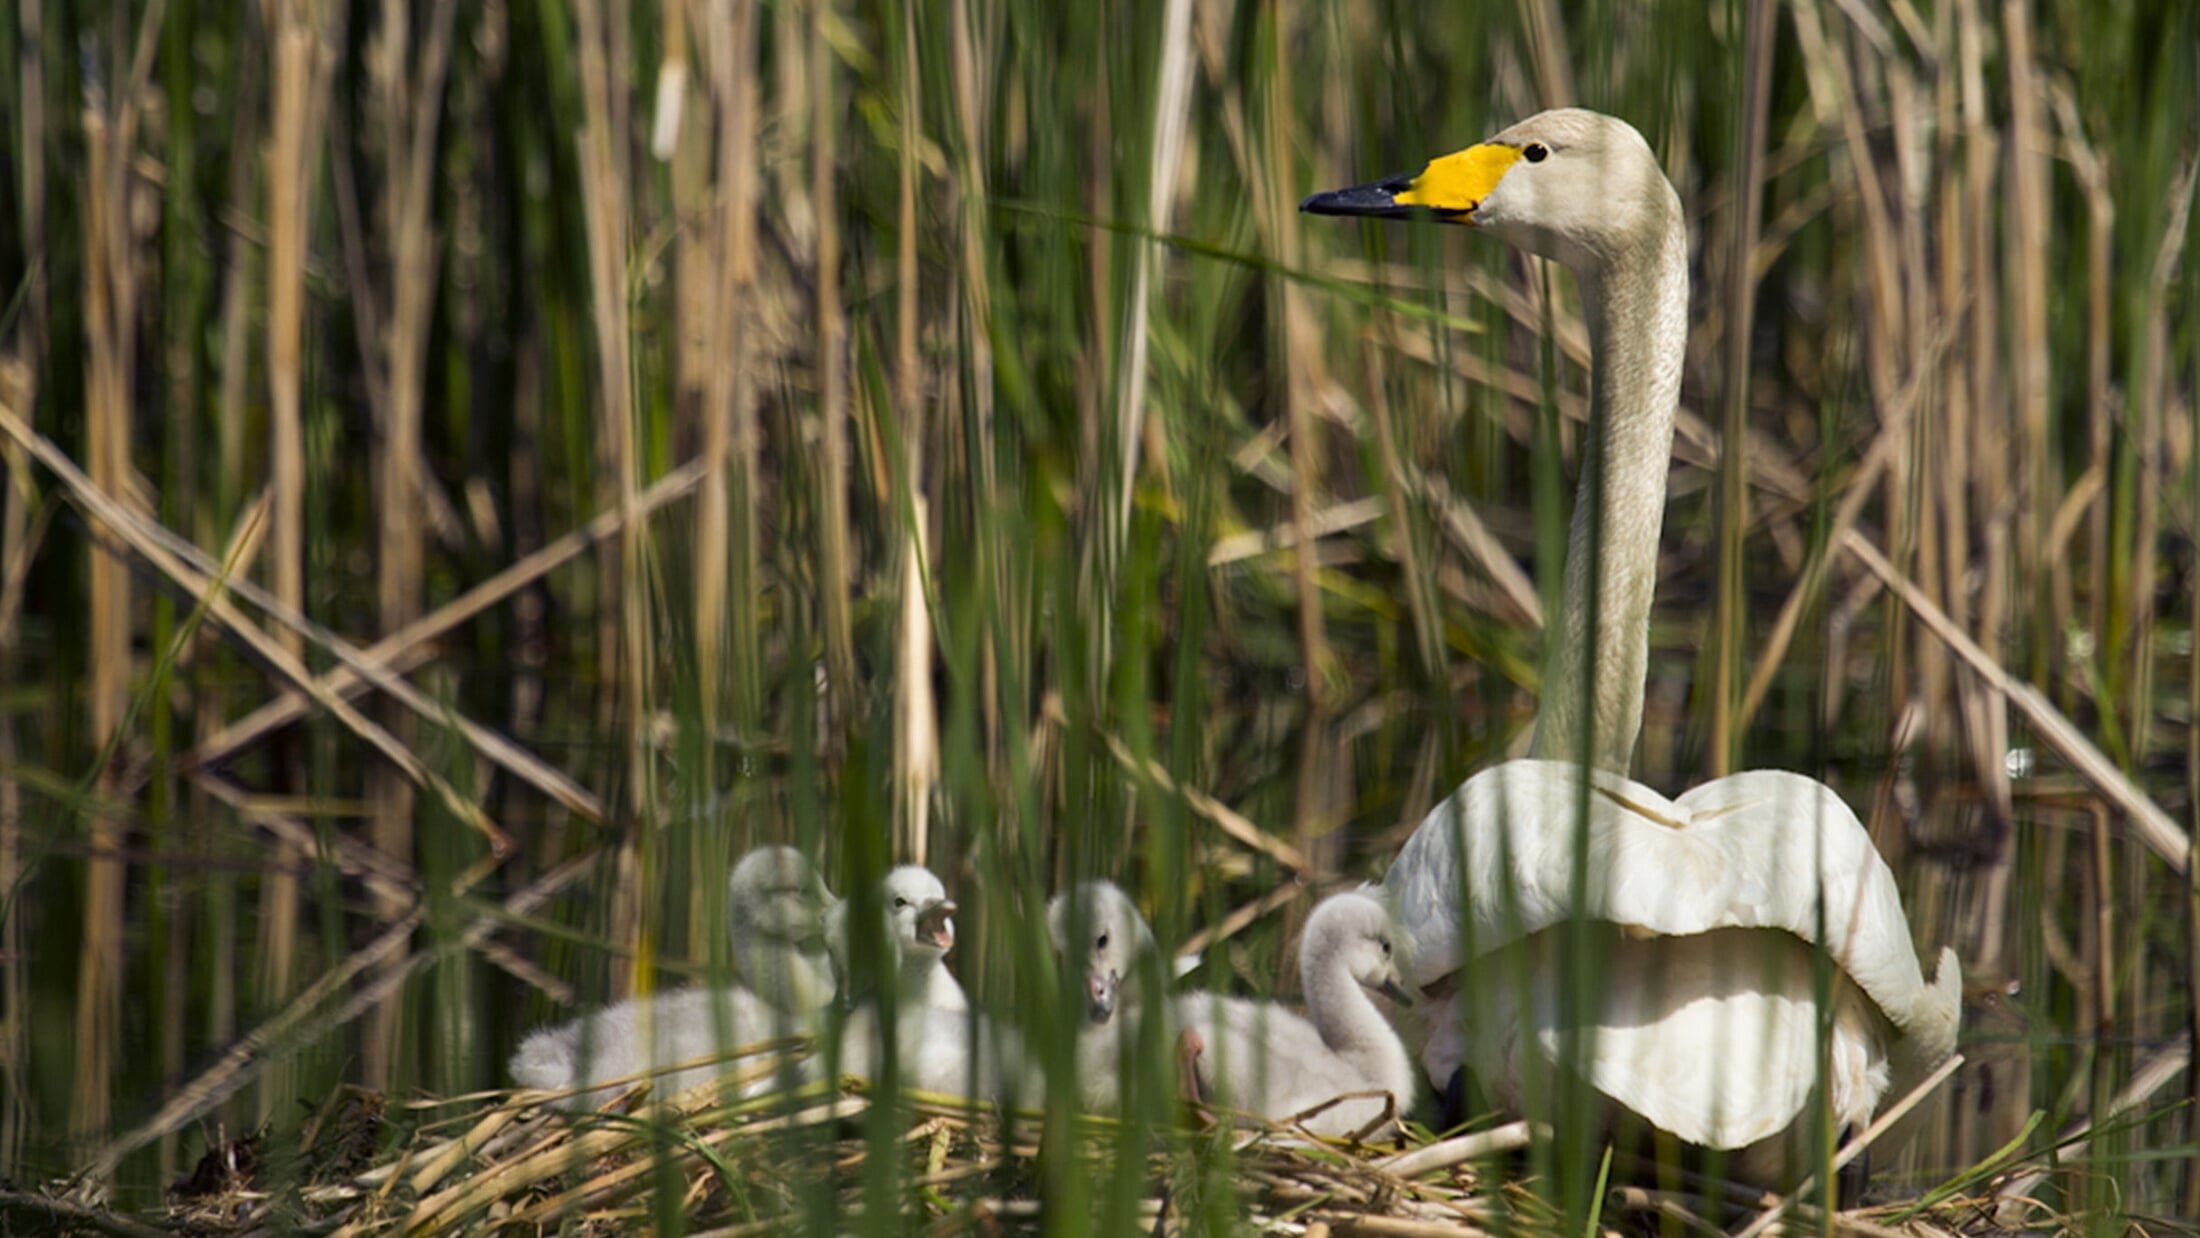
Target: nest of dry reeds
(811, 1159)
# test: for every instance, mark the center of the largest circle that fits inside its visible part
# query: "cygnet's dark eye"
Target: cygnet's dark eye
(900, 902)
(1535, 152)
(1386, 947)
(1101, 943)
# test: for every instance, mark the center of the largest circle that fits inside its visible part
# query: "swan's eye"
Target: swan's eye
(1386, 947)
(900, 902)
(1101, 943)
(1535, 152)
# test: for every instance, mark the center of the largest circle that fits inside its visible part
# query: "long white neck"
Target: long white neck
(1637, 306)
(1346, 1016)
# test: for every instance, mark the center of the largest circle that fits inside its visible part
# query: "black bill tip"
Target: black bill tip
(1376, 199)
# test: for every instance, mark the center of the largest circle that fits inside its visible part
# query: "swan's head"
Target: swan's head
(919, 915)
(1097, 923)
(776, 891)
(1575, 186)
(1353, 933)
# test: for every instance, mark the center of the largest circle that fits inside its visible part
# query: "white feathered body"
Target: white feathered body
(1272, 1062)
(661, 1029)
(1726, 918)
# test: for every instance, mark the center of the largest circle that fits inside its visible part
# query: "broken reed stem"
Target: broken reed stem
(378, 664)
(132, 531)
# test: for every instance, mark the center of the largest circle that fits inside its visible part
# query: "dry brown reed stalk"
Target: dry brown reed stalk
(407, 78)
(1547, 55)
(916, 714)
(2030, 233)
(623, 628)
(1760, 25)
(18, 541)
(1278, 223)
(725, 545)
(382, 666)
(835, 569)
(111, 312)
(1329, 521)
(301, 77)
(1446, 1153)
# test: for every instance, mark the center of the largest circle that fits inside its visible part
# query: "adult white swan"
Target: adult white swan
(1720, 908)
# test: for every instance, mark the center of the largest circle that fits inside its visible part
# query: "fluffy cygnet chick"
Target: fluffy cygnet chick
(1264, 1059)
(645, 1032)
(777, 913)
(777, 907)
(920, 930)
(940, 1043)
(1097, 928)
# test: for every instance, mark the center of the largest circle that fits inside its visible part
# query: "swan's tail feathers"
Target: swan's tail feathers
(545, 1061)
(1938, 1010)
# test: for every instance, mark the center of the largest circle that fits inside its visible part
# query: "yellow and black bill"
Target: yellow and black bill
(1447, 189)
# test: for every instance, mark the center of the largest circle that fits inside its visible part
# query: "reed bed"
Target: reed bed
(800, 1160)
(469, 472)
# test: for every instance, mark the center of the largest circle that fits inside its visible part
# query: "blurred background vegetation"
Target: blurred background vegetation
(471, 470)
